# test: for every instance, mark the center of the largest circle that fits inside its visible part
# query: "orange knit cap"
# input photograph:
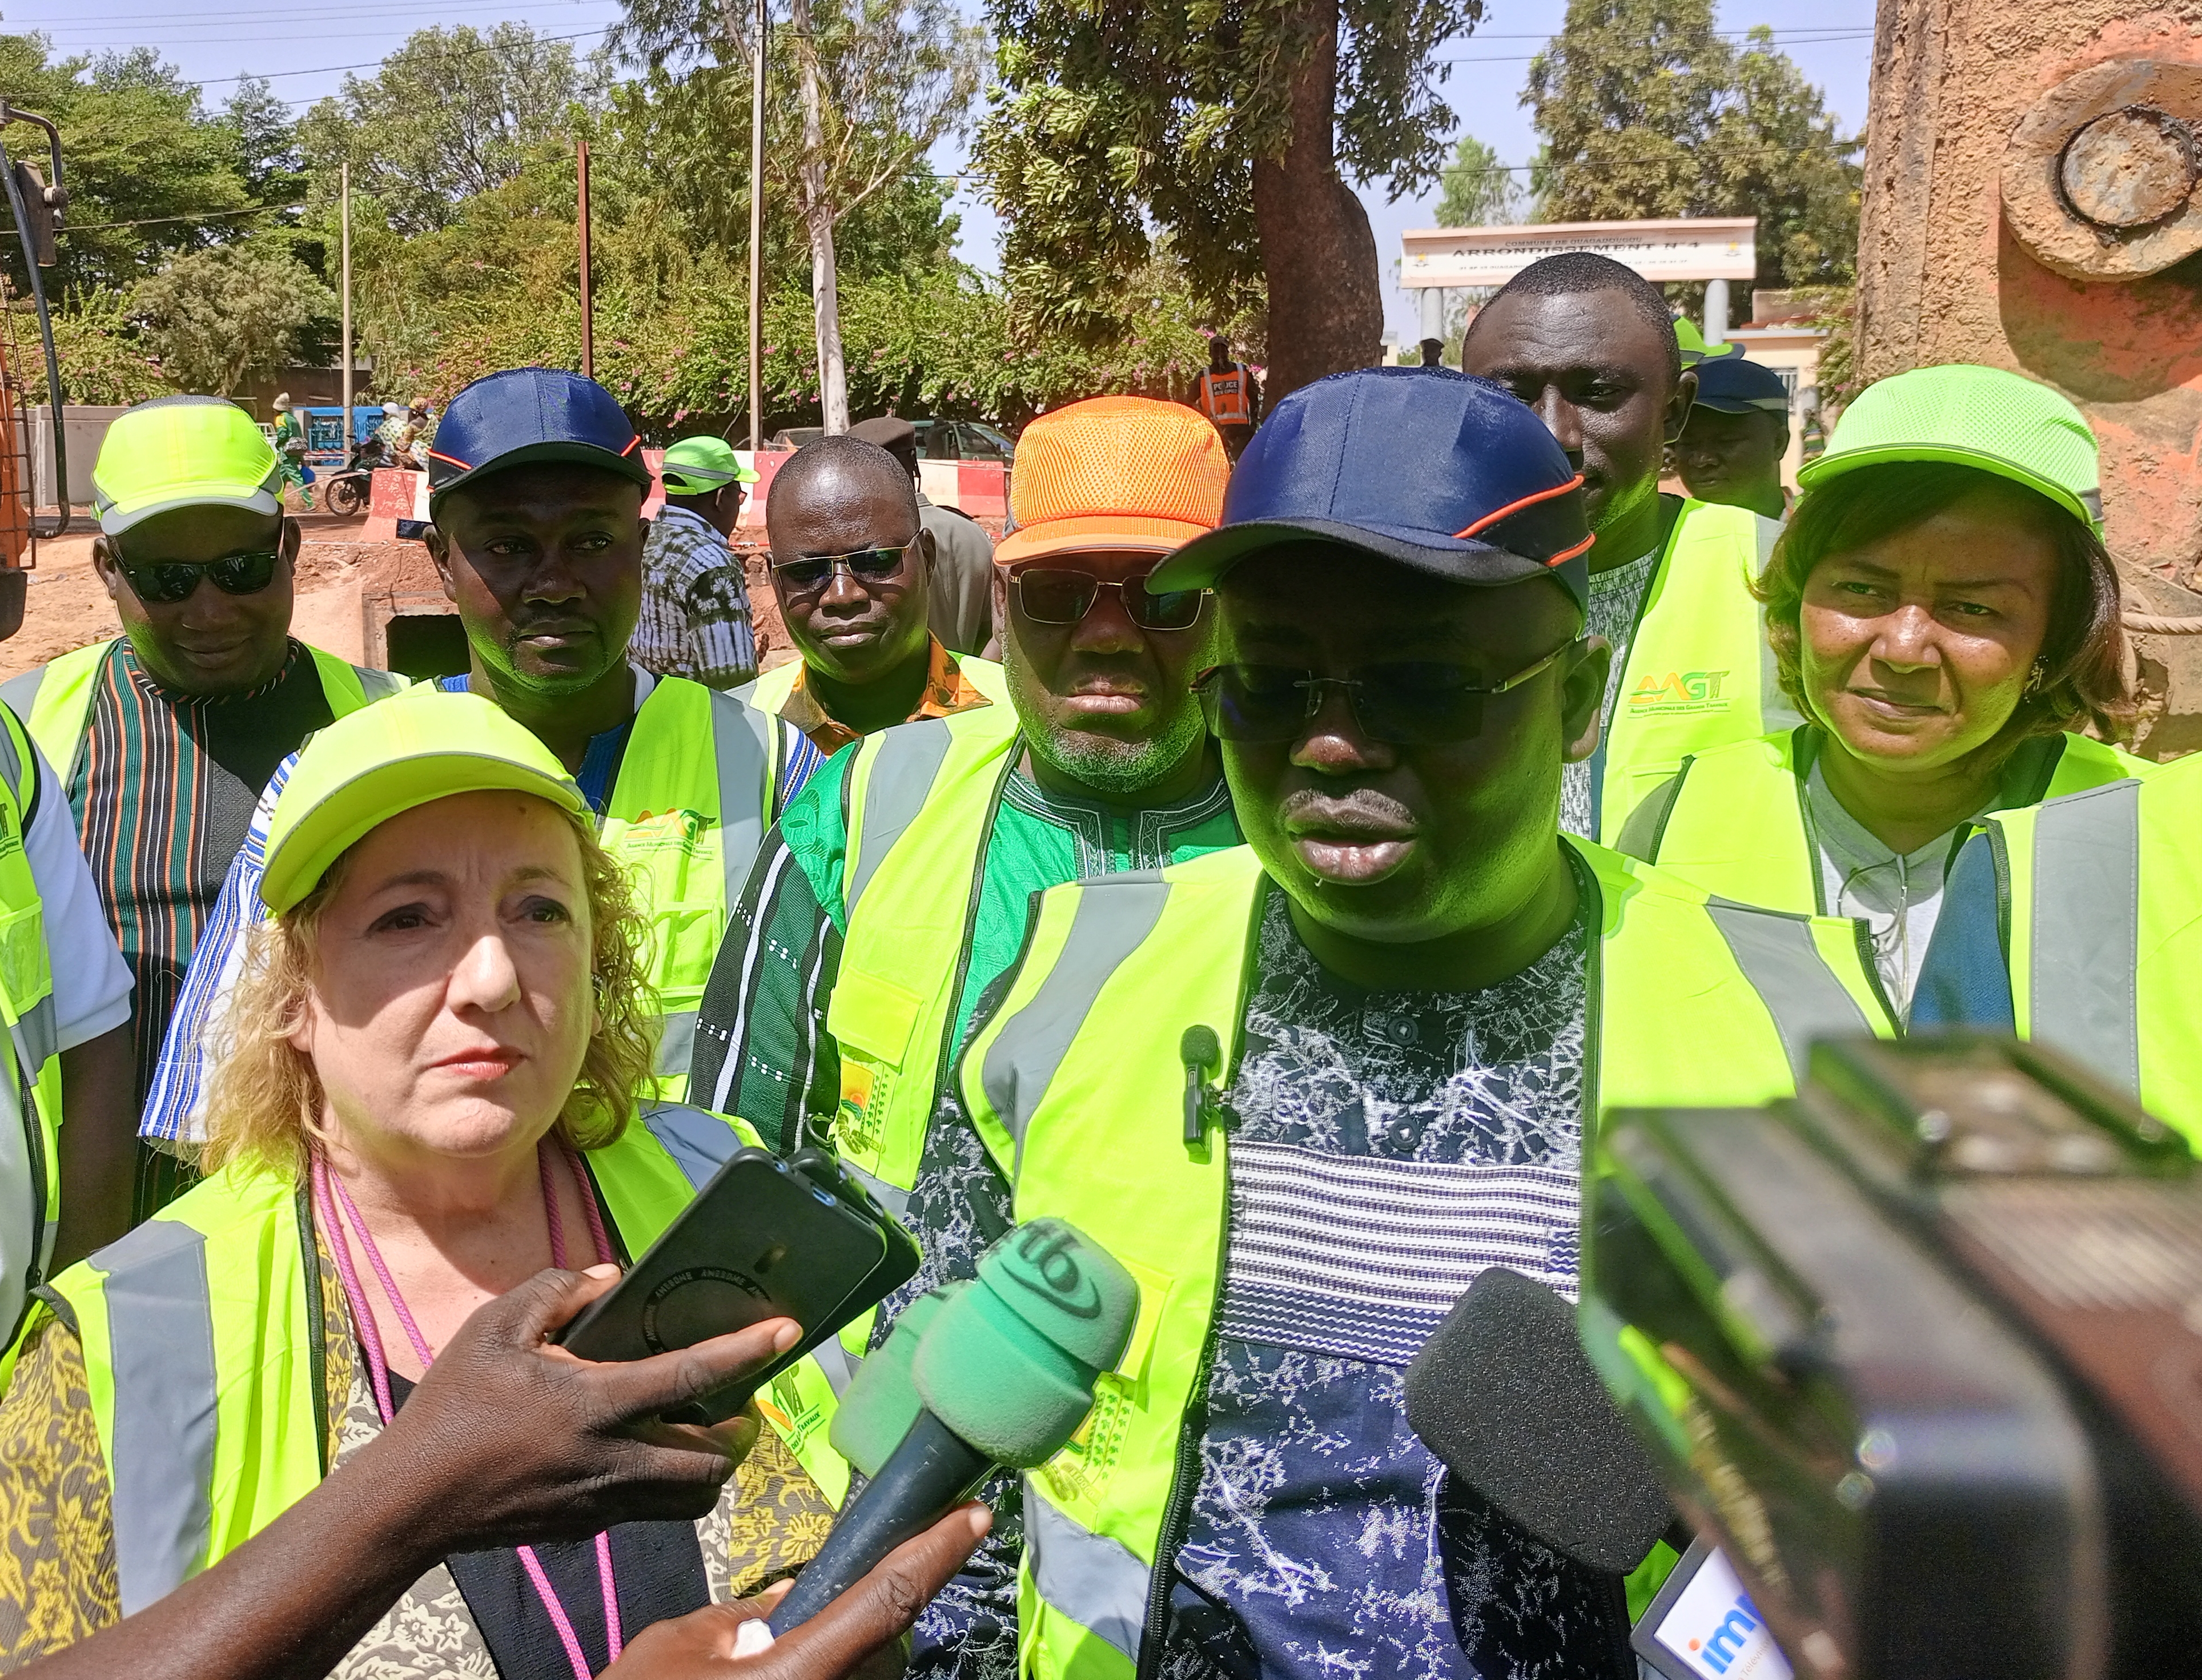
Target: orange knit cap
(1115, 472)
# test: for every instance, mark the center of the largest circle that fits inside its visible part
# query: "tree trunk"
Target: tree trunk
(1318, 255)
(819, 216)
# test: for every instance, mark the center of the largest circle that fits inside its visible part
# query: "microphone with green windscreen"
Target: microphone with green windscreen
(1001, 1370)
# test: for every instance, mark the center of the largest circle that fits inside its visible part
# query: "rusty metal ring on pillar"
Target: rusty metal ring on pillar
(2099, 177)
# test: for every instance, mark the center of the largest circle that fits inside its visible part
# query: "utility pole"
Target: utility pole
(757, 229)
(344, 218)
(588, 293)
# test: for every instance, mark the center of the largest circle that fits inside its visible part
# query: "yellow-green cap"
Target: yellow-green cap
(413, 749)
(697, 466)
(183, 452)
(1693, 345)
(1970, 416)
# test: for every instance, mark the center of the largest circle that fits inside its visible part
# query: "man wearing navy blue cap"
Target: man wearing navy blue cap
(1731, 447)
(536, 482)
(1307, 1088)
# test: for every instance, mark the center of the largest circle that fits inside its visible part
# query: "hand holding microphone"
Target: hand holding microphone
(997, 1371)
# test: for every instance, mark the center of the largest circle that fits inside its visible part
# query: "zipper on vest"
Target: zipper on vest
(1185, 1478)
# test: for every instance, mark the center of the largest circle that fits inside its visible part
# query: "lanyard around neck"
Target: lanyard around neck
(370, 1335)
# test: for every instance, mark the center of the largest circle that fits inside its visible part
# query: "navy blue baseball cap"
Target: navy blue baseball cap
(525, 415)
(1733, 386)
(1450, 475)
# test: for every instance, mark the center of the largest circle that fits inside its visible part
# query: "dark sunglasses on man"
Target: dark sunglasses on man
(1060, 596)
(812, 574)
(164, 582)
(1409, 703)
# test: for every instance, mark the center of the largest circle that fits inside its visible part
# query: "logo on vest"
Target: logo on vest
(1680, 694)
(664, 831)
(11, 838)
(852, 1122)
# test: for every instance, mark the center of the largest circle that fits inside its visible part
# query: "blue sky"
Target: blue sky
(303, 46)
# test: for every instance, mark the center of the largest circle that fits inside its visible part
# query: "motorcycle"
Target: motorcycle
(348, 490)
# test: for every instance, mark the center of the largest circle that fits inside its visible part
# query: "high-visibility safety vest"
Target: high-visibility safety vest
(204, 1347)
(31, 1087)
(1734, 821)
(687, 813)
(1076, 1084)
(55, 699)
(1224, 397)
(769, 693)
(2103, 895)
(921, 802)
(1700, 672)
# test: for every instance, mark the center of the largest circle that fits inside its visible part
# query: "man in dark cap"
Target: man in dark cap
(1731, 447)
(1307, 1088)
(960, 594)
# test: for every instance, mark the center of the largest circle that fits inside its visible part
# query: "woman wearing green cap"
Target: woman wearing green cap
(431, 1100)
(1943, 611)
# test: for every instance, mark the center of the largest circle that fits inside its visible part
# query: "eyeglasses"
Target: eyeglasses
(1408, 703)
(1047, 595)
(812, 574)
(168, 581)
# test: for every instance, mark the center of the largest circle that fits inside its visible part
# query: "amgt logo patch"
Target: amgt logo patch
(1679, 693)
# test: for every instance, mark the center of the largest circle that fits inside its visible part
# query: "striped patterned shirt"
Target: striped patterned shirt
(695, 619)
(162, 793)
(1386, 1147)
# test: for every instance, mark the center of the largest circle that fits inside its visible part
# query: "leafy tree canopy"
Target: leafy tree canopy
(1646, 111)
(1478, 189)
(1111, 126)
(451, 114)
(216, 318)
(136, 147)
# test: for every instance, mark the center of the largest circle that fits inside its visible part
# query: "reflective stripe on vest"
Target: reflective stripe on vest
(1075, 1080)
(55, 701)
(686, 816)
(204, 1365)
(1700, 672)
(921, 803)
(769, 693)
(31, 1090)
(1734, 822)
(2075, 891)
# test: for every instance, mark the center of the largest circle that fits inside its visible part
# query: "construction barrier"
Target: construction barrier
(395, 495)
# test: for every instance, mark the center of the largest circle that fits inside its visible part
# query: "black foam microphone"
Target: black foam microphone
(1503, 1393)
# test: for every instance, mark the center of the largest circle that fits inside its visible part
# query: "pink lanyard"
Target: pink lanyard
(378, 1368)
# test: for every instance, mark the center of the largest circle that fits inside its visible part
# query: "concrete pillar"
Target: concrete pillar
(1433, 299)
(1717, 312)
(2019, 212)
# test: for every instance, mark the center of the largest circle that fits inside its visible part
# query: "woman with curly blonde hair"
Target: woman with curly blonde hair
(1942, 611)
(430, 1096)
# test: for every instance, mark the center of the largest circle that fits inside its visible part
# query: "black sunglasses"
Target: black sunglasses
(1409, 704)
(171, 580)
(1048, 595)
(810, 573)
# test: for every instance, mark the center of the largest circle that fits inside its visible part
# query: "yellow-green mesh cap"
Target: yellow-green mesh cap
(183, 452)
(1694, 347)
(697, 466)
(1983, 417)
(413, 749)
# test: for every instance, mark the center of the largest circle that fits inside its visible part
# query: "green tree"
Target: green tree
(1232, 129)
(1646, 111)
(216, 318)
(874, 84)
(1478, 189)
(267, 139)
(136, 149)
(450, 115)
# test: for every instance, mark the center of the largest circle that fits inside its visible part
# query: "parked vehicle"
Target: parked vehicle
(937, 440)
(347, 491)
